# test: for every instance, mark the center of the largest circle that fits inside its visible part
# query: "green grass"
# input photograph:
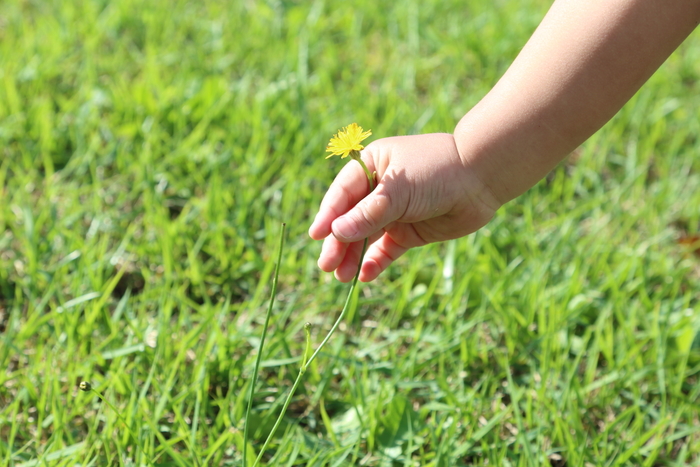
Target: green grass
(149, 152)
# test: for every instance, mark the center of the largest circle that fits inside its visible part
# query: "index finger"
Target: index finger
(348, 188)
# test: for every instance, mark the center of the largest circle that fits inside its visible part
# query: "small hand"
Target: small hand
(425, 194)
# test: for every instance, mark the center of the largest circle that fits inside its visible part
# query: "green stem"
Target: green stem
(302, 370)
(305, 363)
(126, 425)
(345, 307)
(370, 176)
(260, 347)
(279, 419)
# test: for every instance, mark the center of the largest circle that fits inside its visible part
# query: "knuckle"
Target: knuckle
(374, 208)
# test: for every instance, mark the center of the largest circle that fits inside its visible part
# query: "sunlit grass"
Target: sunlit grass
(149, 152)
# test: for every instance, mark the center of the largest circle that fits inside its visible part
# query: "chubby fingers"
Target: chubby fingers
(397, 239)
(379, 257)
(348, 188)
(342, 258)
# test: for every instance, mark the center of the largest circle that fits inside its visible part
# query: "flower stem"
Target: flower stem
(306, 363)
(87, 387)
(370, 176)
(116, 412)
(345, 307)
(260, 347)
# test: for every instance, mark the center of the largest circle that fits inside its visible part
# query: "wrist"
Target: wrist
(478, 184)
(509, 144)
(474, 158)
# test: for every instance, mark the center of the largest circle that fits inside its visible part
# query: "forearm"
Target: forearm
(586, 59)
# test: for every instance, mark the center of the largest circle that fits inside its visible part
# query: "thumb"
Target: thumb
(369, 216)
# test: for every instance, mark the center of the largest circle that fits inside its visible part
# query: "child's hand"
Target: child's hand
(425, 193)
(581, 65)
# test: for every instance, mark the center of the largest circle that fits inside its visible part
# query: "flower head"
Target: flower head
(347, 140)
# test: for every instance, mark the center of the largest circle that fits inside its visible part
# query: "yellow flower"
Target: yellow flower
(347, 140)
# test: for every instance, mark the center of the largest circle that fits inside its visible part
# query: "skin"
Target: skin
(582, 64)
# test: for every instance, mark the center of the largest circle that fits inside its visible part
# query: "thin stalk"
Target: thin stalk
(370, 176)
(345, 307)
(87, 387)
(306, 363)
(260, 347)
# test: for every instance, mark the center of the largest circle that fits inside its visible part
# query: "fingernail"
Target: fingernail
(344, 228)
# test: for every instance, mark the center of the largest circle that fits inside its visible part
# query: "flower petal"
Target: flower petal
(347, 140)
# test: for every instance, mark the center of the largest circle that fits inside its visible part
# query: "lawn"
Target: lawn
(151, 150)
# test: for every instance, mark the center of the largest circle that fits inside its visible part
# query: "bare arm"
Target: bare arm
(584, 61)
